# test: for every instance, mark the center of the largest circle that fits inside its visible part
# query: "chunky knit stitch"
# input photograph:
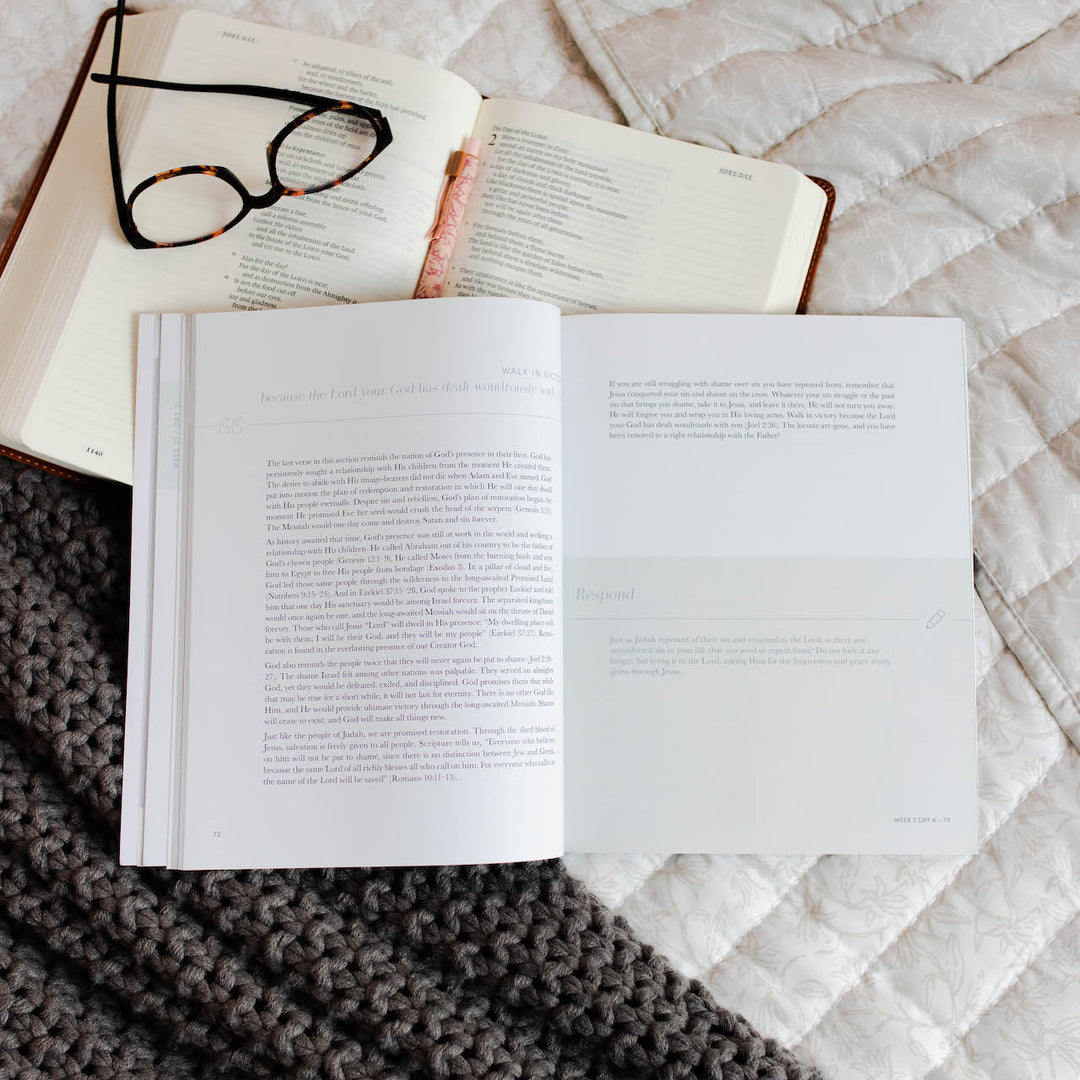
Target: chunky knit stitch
(109, 971)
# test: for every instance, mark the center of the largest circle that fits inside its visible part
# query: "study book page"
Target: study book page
(158, 586)
(374, 646)
(768, 585)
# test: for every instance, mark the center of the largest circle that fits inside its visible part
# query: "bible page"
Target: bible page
(373, 642)
(768, 585)
(74, 342)
(593, 216)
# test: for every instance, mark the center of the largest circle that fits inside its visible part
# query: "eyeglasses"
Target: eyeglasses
(320, 148)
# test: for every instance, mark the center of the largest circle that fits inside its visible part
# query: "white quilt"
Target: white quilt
(951, 131)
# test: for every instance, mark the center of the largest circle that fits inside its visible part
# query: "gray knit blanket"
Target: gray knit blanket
(110, 971)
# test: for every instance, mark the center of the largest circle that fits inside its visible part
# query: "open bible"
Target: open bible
(464, 580)
(582, 213)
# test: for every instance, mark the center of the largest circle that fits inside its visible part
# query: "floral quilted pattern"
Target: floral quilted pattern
(951, 132)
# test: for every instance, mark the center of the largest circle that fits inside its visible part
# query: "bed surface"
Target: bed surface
(951, 133)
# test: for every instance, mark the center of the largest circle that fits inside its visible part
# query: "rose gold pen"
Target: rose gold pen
(458, 183)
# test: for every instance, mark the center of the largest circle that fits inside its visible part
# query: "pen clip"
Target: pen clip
(459, 159)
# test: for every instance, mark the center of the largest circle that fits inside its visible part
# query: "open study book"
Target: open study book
(464, 580)
(585, 214)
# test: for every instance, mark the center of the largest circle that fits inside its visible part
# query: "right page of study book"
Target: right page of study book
(768, 595)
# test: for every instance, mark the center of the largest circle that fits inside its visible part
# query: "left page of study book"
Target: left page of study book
(73, 288)
(368, 664)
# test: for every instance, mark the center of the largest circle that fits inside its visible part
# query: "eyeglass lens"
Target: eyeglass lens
(317, 154)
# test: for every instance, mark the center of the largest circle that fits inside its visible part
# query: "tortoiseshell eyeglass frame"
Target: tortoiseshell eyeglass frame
(316, 104)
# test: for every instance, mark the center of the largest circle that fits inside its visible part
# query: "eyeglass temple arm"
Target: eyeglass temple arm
(245, 89)
(110, 121)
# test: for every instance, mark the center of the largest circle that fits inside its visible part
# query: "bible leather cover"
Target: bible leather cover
(830, 202)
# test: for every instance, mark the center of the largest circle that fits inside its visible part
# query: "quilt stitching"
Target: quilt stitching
(713, 962)
(836, 42)
(471, 34)
(983, 241)
(663, 868)
(947, 151)
(1035, 40)
(863, 89)
(1047, 580)
(798, 879)
(829, 110)
(638, 886)
(961, 1037)
(1020, 48)
(1044, 447)
(933, 900)
(871, 961)
(616, 64)
(999, 348)
(583, 7)
(1003, 652)
(776, 986)
(479, 19)
(1064, 689)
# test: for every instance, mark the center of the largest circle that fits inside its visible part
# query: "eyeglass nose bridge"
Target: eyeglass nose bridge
(268, 197)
